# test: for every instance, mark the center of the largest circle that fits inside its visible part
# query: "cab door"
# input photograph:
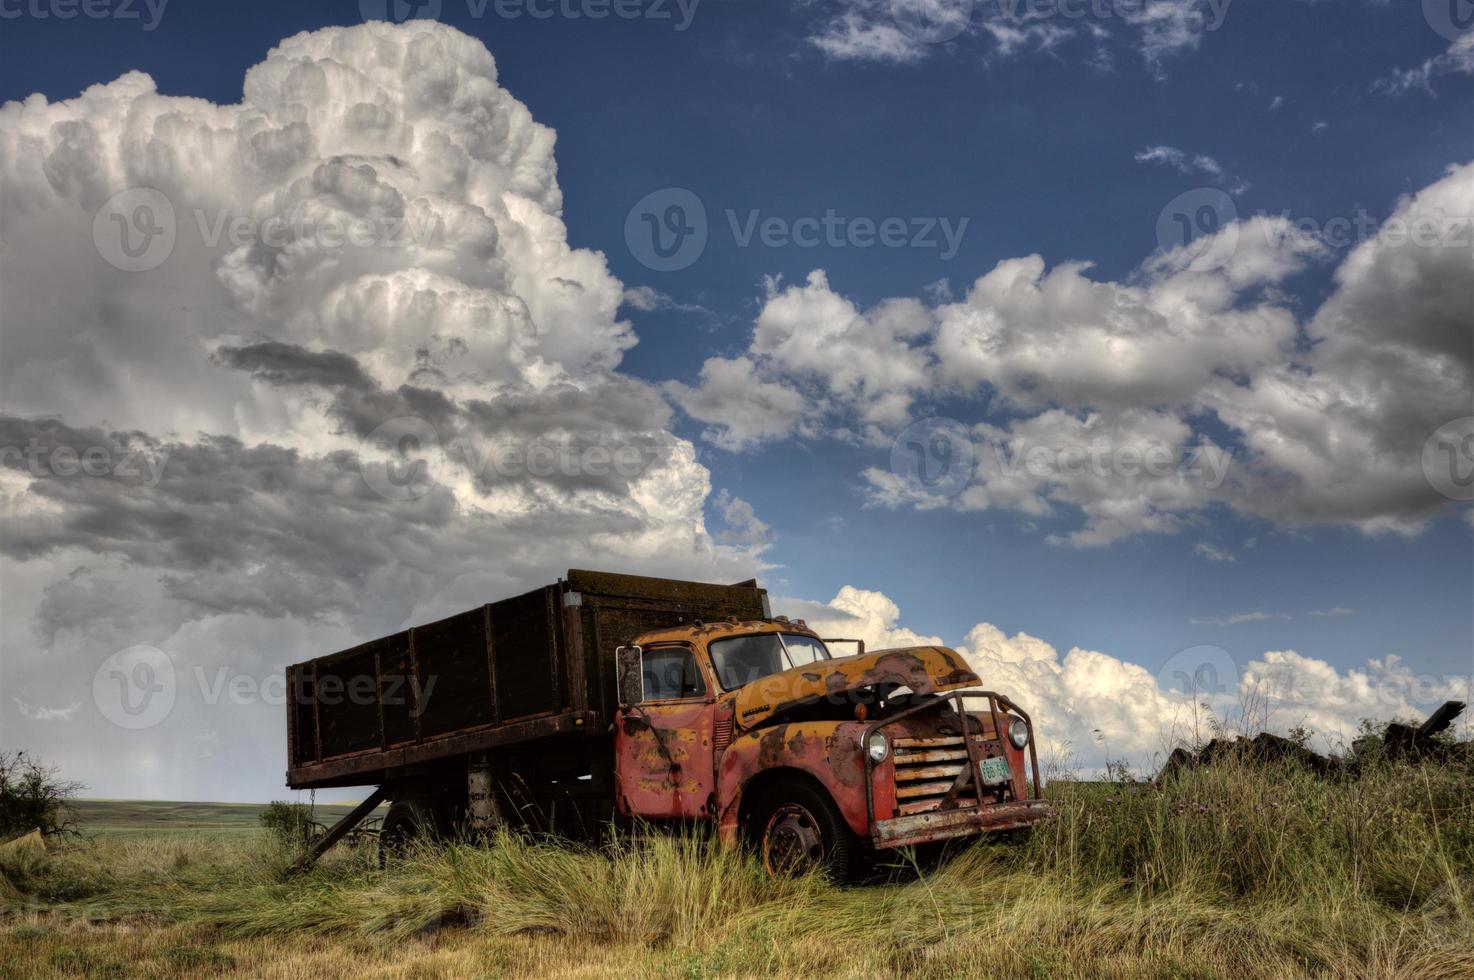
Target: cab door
(662, 745)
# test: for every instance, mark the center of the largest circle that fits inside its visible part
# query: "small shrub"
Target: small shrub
(33, 798)
(290, 823)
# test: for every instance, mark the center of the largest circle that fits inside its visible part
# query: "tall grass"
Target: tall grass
(1228, 871)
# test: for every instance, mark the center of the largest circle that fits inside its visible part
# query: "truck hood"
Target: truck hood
(925, 670)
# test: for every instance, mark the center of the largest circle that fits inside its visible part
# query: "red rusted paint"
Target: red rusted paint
(827, 750)
(673, 781)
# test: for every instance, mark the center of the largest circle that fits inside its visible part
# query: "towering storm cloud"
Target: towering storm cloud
(285, 374)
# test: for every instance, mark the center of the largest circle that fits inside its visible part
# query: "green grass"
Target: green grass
(1230, 872)
(153, 817)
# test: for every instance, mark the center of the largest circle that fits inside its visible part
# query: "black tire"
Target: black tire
(796, 828)
(408, 818)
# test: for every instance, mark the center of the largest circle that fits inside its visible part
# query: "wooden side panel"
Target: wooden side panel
(397, 682)
(454, 682)
(524, 646)
(347, 698)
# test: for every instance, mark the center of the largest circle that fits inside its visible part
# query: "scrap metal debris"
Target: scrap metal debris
(1397, 741)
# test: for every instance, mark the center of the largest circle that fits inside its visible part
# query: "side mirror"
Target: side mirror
(628, 678)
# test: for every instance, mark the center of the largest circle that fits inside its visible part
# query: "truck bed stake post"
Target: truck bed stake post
(482, 807)
(336, 832)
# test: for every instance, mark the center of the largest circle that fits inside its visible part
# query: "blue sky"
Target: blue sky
(1068, 146)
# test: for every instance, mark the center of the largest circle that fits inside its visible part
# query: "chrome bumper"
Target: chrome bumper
(936, 825)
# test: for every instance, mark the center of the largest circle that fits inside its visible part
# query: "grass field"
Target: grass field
(149, 817)
(1230, 872)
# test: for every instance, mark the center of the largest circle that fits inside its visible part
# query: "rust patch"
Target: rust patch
(771, 747)
(925, 670)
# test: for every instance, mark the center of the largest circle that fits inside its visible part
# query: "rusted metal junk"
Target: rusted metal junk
(1395, 741)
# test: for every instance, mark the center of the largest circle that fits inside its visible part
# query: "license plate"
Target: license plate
(994, 771)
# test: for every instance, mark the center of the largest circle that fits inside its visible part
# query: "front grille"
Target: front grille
(927, 767)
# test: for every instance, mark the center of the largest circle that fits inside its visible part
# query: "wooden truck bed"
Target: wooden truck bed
(534, 666)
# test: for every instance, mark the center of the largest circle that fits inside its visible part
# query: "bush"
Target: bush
(33, 798)
(291, 823)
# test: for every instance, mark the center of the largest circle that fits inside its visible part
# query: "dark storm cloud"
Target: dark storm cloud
(363, 410)
(291, 364)
(617, 403)
(296, 531)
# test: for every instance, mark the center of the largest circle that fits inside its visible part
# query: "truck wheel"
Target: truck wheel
(798, 828)
(408, 818)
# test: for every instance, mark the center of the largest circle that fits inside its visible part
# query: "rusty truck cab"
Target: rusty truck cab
(757, 728)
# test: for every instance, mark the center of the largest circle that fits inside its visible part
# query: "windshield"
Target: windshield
(741, 660)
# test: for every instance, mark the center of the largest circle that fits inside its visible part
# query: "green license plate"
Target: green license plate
(994, 771)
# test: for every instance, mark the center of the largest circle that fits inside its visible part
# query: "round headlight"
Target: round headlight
(1018, 733)
(877, 746)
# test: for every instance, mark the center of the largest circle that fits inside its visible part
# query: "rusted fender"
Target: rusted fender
(925, 670)
(827, 750)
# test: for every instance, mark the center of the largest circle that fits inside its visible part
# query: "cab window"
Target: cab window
(740, 660)
(670, 672)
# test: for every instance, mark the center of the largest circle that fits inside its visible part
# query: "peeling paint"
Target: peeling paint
(924, 670)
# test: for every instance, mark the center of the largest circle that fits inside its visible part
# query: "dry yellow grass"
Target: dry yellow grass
(1366, 878)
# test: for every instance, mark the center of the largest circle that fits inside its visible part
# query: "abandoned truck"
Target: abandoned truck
(609, 697)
